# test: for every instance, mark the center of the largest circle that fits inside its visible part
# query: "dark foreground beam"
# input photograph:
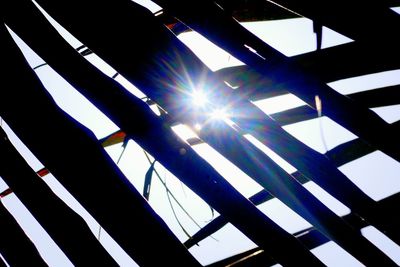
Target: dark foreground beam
(150, 68)
(16, 248)
(69, 231)
(231, 36)
(177, 156)
(98, 184)
(309, 237)
(371, 22)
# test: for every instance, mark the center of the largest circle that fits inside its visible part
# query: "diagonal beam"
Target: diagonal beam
(118, 103)
(347, 60)
(378, 97)
(68, 230)
(163, 73)
(99, 185)
(241, 10)
(340, 155)
(359, 20)
(309, 237)
(329, 64)
(231, 36)
(16, 248)
(254, 10)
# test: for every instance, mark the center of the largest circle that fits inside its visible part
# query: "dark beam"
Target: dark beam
(347, 60)
(16, 248)
(154, 137)
(69, 231)
(229, 35)
(349, 151)
(275, 180)
(295, 115)
(378, 97)
(254, 10)
(309, 237)
(329, 64)
(241, 10)
(340, 155)
(163, 81)
(371, 22)
(95, 181)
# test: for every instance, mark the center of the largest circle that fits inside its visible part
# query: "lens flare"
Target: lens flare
(197, 127)
(199, 98)
(219, 114)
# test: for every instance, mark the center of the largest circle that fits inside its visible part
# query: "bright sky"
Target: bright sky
(291, 37)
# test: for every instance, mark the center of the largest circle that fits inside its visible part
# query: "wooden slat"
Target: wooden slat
(95, 181)
(153, 136)
(358, 19)
(229, 35)
(67, 229)
(275, 180)
(310, 237)
(330, 64)
(356, 200)
(16, 248)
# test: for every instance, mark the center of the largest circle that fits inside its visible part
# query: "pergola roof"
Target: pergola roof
(292, 157)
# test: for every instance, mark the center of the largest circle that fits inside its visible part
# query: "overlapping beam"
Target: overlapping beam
(119, 103)
(146, 82)
(229, 35)
(372, 22)
(310, 237)
(98, 185)
(15, 246)
(66, 228)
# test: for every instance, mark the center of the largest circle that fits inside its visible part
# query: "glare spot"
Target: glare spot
(197, 126)
(219, 114)
(199, 98)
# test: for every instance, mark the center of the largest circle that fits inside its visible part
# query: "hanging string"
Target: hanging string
(171, 195)
(173, 210)
(124, 145)
(318, 105)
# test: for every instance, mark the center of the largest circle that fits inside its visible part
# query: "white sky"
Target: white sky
(376, 174)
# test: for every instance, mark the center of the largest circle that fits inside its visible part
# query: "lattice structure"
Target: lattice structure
(144, 48)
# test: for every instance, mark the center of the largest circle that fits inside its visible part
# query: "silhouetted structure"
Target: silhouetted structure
(144, 49)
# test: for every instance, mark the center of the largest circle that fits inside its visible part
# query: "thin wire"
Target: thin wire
(173, 210)
(318, 104)
(183, 189)
(321, 131)
(287, 9)
(124, 145)
(173, 196)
